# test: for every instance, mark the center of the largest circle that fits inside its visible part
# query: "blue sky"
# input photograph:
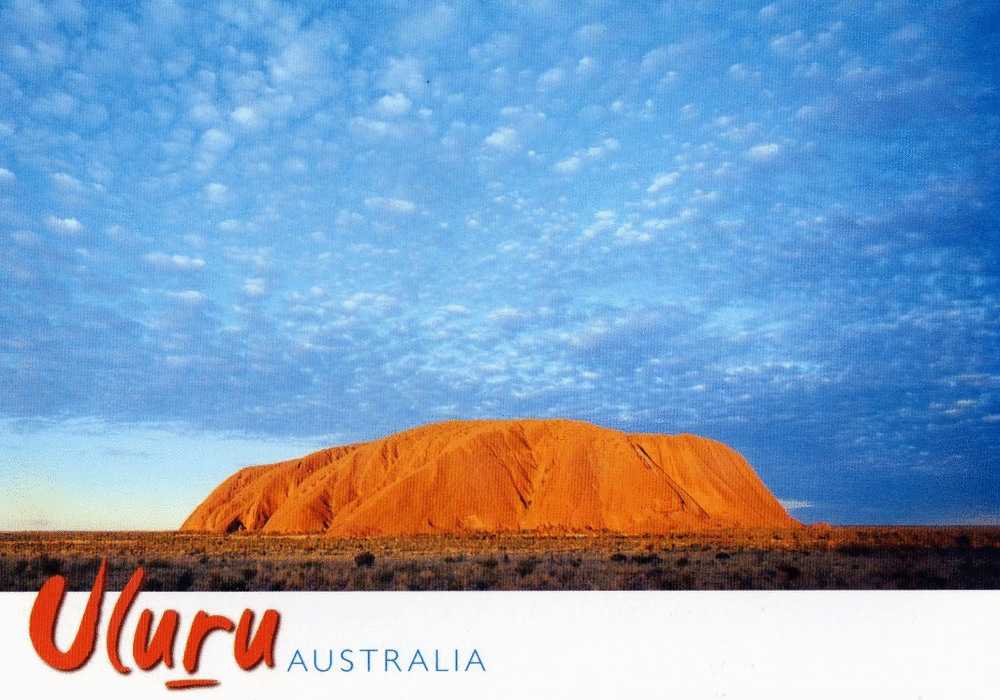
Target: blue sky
(235, 233)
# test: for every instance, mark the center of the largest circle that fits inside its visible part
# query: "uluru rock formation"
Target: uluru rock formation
(498, 476)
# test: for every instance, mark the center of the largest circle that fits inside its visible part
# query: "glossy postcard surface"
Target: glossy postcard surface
(303, 302)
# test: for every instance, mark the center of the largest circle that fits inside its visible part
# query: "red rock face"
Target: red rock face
(498, 476)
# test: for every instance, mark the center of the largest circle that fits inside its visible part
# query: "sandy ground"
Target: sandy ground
(807, 558)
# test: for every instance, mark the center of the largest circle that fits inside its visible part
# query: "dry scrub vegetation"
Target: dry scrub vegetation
(808, 558)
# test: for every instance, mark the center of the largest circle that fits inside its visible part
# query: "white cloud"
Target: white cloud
(907, 33)
(604, 220)
(504, 139)
(807, 112)
(794, 503)
(6, 175)
(255, 287)
(739, 71)
(764, 152)
(67, 182)
(402, 75)
(68, 225)
(684, 216)
(296, 165)
(213, 145)
(811, 71)
(306, 56)
(500, 47)
(368, 301)
(704, 196)
(365, 127)
(59, 104)
(216, 192)
(247, 117)
(741, 133)
(393, 206)
(173, 262)
(628, 234)
(603, 148)
(348, 219)
(230, 225)
(573, 163)
(394, 105)
(568, 166)
(204, 112)
(591, 33)
(506, 315)
(188, 296)
(551, 79)
(663, 180)
(430, 26)
(216, 140)
(790, 43)
(653, 59)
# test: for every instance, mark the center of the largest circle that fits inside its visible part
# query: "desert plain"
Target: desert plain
(817, 557)
(506, 505)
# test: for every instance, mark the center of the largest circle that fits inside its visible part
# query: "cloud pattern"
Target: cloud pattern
(773, 225)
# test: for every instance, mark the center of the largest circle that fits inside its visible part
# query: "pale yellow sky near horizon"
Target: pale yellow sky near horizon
(69, 477)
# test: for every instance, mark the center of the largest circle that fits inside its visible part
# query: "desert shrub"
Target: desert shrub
(364, 559)
(618, 556)
(526, 566)
(50, 566)
(854, 549)
(645, 558)
(226, 582)
(683, 561)
(185, 580)
(723, 555)
(21, 575)
(490, 563)
(789, 570)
